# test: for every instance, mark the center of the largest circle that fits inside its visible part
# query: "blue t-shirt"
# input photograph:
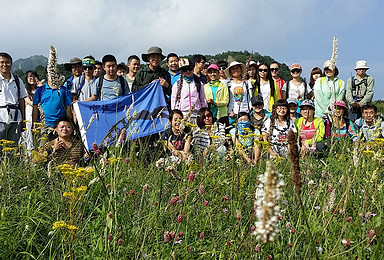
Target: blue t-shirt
(53, 102)
(174, 77)
(107, 91)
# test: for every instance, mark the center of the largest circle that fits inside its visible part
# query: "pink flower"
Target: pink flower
(190, 249)
(257, 248)
(179, 218)
(110, 236)
(253, 228)
(126, 160)
(167, 237)
(201, 189)
(173, 200)
(131, 192)
(269, 257)
(371, 233)
(346, 242)
(205, 203)
(181, 234)
(119, 242)
(110, 215)
(191, 176)
(280, 218)
(107, 186)
(349, 219)
(288, 225)
(238, 214)
(172, 234)
(290, 245)
(202, 235)
(293, 231)
(228, 243)
(225, 198)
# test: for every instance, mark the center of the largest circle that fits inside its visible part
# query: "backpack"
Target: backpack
(82, 82)
(17, 81)
(365, 81)
(100, 85)
(287, 89)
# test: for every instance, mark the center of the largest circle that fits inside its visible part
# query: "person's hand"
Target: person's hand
(210, 101)
(164, 83)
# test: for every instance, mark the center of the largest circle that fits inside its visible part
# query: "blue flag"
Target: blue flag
(141, 113)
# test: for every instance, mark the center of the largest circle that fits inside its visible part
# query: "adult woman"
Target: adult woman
(239, 90)
(252, 69)
(266, 87)
(188, 91)
(328, 89)
(32, 82)
(315, 74)
(338, 126)
(292, 107)
(258, 115)
(310, 129)
(178, 142)
(276, 129)
(216, 93)
(296, 88)
(209, 135)
(65, 149)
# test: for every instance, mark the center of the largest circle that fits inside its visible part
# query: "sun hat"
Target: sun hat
(292, 101)
(152, 50)
(361, 64)
(234, 63)
(341, 103)
(73, 61)
(295, 66)
(308, 103)
(257, 100)
(213, 66)
(185, 63)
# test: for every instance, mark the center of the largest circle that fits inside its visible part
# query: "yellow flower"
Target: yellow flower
(191, 125)
(8, 149)
(35, 131)
(59, 224)
(368, 152)
(71, 195)
(215, 137)
(43, 138)
(6, 142)
(72, 227)
(81, 188)
(38, 124)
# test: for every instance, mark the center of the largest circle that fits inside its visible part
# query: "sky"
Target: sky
(295, 31)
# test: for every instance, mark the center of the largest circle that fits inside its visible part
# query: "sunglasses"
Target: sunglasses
(88, 68)
(263, 70)
(222, 68)
(296, 71)
(274, 69)
(207, 116)
(186, 69)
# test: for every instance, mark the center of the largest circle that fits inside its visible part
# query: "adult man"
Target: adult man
(275, 67)
(359, 90)
(75, 66)
(12, 105)
(370, 125)
(82, 86)
(109, 85)
(98, 69)
(173, 65)
(153, 72)
(199, 61)
(133, 64)
(55, 102)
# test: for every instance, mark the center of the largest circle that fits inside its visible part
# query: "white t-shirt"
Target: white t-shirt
(279, 135)
(246, 104)
(296, 91)
(265, 90)
(9, 96)
(85, 91)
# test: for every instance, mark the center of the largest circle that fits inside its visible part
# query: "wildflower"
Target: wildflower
(119, 242)
(190, 248)
(178, 240)
(173, 200)
(257, 248)
(331, 201)
(349, 219)
(131, 192)
(228, 243)
(107, 186)
(181, 234)
(172, 234)
(166, 236)
(294, 157)
(320, 249)
(59, 224)
(145, 188)
(202, 235)
(72, 227)
(110, 215)
(110, 236)
(191, 176)
(288, 225)
(346, 242)
(253, 228)
(205, 203)
(290, 245)
(225, 198)
(266, 197)
(280, 218)
(238, 214)
(201, 189)
(317, 207)
(225, 210)
(81, 189)
(179, 218)
(371, 233)
(126, 160)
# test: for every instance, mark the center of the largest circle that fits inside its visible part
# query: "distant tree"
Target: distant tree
(40, 71)
(19, 73)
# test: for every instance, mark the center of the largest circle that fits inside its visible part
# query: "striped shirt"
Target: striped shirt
(202, 138)
(71, 155)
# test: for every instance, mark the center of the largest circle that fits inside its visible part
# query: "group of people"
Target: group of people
(240, 105)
